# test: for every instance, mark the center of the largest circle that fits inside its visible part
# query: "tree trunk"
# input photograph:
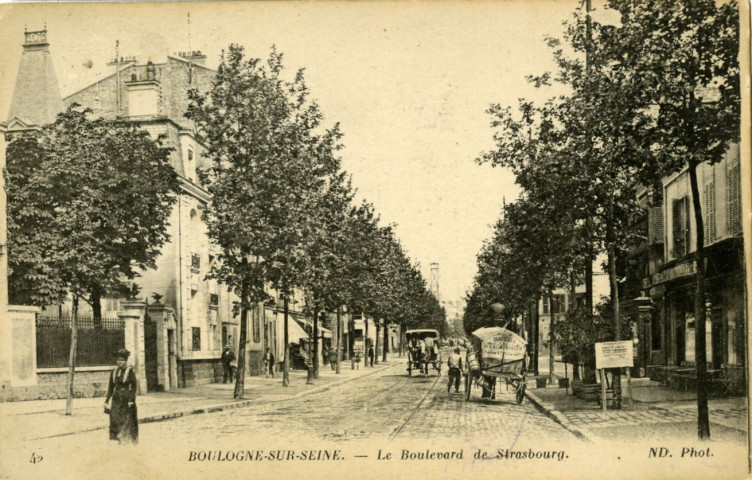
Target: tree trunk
(575, 357)
(96, 308)
(616, 383)
(536, 337)
(551, 360)
(402, 340)
(311, 342)
(239, 391)
(351, 341)
(376, 347)
(338, 355)
(286, 369)
(703, 421)
(315, 346)
(72, 356)
(386, 341)
(365, 341)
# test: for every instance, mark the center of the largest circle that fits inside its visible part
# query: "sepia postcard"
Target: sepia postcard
(375, 239)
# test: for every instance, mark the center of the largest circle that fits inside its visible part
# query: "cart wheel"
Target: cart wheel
(520, 392)
(468, 383)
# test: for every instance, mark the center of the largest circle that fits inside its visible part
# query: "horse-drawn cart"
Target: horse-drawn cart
(422, 351)
(496, 353)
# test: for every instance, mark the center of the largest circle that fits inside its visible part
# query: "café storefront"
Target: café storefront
(725, 320)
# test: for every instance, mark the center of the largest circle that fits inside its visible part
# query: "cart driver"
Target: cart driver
(455, 368)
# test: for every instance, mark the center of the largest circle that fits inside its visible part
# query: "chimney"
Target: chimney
(143, 92)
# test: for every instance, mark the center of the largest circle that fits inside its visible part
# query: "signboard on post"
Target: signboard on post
(614, 354)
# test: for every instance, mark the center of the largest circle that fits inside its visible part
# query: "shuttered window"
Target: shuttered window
(734, 201)
(679, 227)
(655, 225)
(709, 212)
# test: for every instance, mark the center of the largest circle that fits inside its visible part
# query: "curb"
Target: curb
(556, 416)
(223, 406)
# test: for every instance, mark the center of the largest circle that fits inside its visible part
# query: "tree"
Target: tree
(88, 204)
(270, 164)
(686, 55)
(326, 283)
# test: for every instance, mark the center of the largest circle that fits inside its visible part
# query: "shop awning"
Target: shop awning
(326, 333)
(294, 332)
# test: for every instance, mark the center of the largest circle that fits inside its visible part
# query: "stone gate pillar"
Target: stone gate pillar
(164, 317)
(18, 337)
(133, 314)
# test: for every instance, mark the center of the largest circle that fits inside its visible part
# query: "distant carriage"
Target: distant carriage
(496, 353)
(422, 351)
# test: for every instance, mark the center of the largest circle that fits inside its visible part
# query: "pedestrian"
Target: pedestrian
(228, 359)
(121, 401)
(454, 362)
(357, 360)
(269, 363)
(370, 355)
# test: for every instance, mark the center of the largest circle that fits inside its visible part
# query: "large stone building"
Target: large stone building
(156, 97)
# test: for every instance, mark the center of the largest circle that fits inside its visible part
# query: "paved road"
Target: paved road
(387, 405)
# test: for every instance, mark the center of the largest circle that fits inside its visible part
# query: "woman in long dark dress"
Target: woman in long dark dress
(121, 401)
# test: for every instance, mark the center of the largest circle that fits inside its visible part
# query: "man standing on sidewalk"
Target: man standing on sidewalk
(228, 357)
(269, 363)
(455, 368)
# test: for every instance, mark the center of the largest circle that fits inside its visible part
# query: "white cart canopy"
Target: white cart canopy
(500, 344)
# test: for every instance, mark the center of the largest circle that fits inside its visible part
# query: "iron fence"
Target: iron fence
(98, 340)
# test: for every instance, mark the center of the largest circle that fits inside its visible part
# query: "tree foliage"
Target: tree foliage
(88, 204)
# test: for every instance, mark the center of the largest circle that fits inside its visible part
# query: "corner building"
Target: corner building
(188, 325)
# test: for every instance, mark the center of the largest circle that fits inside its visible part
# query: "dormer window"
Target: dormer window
(190, 167)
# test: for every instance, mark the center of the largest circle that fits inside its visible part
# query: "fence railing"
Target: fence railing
(98, 341)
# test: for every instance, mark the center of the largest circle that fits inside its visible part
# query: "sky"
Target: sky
(409, 83)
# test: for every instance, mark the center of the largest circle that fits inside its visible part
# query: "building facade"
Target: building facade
(155, 96)
(660, 288)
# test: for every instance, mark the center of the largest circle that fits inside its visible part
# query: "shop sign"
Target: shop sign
(685, 269)
(614, 354)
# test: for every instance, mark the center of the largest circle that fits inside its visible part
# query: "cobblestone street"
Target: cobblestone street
(385, 405)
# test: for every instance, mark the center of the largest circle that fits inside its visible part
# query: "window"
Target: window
(256, 326)
(191, 169)
(581, 299)
(559, 304)
(679, 227)
(213, 299)
(196, 339)
(734, 201)
(655, 226)
(195, 261)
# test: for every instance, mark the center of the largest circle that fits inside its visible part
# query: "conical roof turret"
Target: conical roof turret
(36, 95)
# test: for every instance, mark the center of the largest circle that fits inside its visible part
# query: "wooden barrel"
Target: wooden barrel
(472, 362)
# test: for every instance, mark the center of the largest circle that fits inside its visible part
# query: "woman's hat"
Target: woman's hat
(123, 353)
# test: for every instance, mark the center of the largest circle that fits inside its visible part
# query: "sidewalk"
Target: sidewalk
(656, 411)
(37, 419)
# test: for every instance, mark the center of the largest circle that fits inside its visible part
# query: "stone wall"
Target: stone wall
(53, 385)
(199, 372)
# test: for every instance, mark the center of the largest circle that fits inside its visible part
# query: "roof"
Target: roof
(36, 96)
